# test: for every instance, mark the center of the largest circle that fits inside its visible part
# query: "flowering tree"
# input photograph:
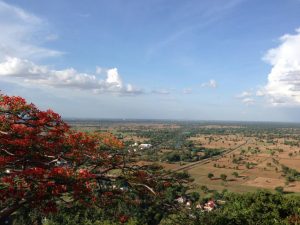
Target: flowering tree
(44, 163)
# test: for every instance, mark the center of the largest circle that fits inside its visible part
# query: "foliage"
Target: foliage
(261, 207)
(290, 174)
(46, 165)
(77, 214)
(279, 189)
(50, 174)
(223, 177)
(210, 175)
(235, 174)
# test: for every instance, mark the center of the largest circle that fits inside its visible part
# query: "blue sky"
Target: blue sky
(158, 59)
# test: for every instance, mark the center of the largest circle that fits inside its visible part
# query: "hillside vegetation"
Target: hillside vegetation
(53, 174)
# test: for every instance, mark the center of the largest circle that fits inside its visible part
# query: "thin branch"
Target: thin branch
(144, 185)
(7, 152)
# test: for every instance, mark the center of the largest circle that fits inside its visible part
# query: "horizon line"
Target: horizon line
(173, 120)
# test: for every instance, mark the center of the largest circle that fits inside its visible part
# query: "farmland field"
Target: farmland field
(249, 156)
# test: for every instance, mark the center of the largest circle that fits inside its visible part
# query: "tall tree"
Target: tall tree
(45, 163)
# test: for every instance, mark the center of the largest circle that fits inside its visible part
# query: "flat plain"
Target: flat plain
(249, 156)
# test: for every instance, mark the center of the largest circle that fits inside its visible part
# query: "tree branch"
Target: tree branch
(10, 209)
(7, 152)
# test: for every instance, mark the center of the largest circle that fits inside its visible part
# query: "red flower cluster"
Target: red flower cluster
(123, 218)
(43, 159)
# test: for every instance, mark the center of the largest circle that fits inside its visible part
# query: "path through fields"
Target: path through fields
(204, 161)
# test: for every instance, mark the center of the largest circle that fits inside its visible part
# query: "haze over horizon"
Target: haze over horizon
(236, 60)
(217, 122)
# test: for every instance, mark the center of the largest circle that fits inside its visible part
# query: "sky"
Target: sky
(235, 60)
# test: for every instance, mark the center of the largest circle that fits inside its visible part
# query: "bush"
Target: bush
(279, 189)
(210, 175)
(223, 177)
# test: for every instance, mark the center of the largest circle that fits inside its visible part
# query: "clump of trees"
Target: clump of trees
(290, 174)
(291, 143)
(261, 207)
(235, 174)
(223, 177)
(190, 156)
(279, 189)
(210, 175)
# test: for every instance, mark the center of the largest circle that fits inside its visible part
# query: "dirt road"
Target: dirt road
(204, 161)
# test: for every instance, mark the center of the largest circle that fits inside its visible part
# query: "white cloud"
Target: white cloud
(248, 101)
(21, 34)
(21, 39)
(113, 78)
(210, 84)
(26, 71)
(283, 87)
(98, 70)
(246, 97)
(260, 92)
(244, 94)
(51, 37)
(187, 91)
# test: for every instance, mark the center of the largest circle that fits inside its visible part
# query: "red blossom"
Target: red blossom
(85, 174)
(42, 160)
(123, 218)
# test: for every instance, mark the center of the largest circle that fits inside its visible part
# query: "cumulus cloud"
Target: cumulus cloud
(246, 97)
(248, 101)
(260, 92)
(283, 87)
(210, 84)
(29, 72)
(244, 94)
(20, 33)
(21, 40)
(98, 70)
